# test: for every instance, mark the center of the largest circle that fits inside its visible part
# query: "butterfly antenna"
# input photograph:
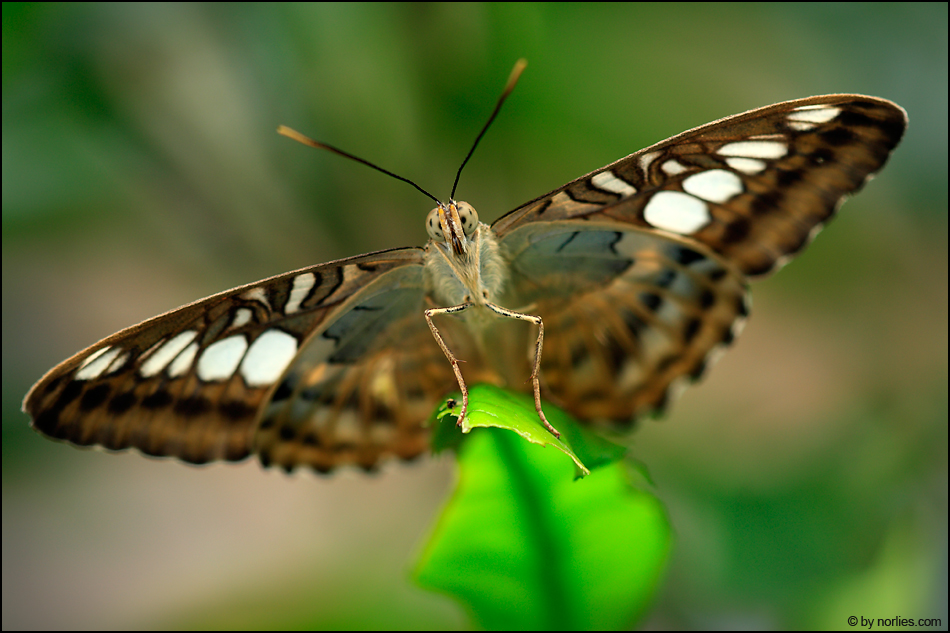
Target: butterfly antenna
(512, 80)
(300, 138)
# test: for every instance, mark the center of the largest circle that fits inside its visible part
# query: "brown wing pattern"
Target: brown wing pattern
(627, 315)
(638, 269)
(362, 388)
(192, 383)
(784, 170)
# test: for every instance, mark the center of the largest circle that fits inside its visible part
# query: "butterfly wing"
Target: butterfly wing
(306, 367)
(638, 269)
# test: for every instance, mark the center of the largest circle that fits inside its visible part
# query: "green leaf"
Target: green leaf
(523, 546)
(492, 407)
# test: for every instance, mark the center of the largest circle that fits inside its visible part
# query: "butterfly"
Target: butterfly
(608, 294)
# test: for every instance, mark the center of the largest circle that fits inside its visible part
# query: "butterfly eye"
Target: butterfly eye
(469, 218)
(433, 227)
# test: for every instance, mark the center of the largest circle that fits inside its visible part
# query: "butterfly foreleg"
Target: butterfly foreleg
(511, 314)
(448, 353)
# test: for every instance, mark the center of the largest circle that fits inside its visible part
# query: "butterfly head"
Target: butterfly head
(453, 223)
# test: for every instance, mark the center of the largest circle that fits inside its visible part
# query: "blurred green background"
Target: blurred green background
(806, 477)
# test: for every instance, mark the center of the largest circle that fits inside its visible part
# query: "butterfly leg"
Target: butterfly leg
(511, 314)
(448, 353)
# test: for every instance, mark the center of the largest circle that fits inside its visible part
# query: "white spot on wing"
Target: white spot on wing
(607, 181)
(814, 114)
(746, 165)
(754, 149)
(242, 316)
(221, 358)
(677, 212)
(802, 126)
(166, 353)
(97, 363)
(302, 285)
(183, 361)
(268, 357)
(647, 159)
(118, 363)
(256, 294)
(673, 167)
(715, 185)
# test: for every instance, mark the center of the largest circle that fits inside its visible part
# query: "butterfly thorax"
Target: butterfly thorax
(465, 266)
